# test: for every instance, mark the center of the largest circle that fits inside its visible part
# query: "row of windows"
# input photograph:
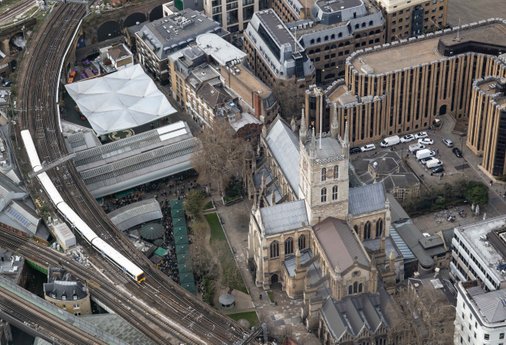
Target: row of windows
(335, 173)
(323, 194)
(367, 229)
(274, 247)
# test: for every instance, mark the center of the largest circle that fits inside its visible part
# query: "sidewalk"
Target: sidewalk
(283, 316)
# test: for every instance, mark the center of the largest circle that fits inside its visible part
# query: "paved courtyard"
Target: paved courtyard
(281, 314)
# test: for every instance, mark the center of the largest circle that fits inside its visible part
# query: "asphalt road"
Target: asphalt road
(474, 10)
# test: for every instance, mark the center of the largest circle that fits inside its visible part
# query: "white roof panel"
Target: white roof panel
(173, 134)
(120, 100)
(171, 127)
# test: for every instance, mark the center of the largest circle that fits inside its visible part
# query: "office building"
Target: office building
(479, 253)
(275, 56)
(233, 15)
(480, 315)
(486, 134)
(410, 18)
(156, 40)
(402, 87)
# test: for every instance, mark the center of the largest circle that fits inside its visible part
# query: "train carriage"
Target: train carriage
(50, 189)
(77, 223)
(33, 156)
(119, 260)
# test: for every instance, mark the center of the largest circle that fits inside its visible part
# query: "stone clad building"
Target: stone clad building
(307, 225)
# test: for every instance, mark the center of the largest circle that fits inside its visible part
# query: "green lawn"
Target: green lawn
(231, 275)
(251, 316)
(217, 233)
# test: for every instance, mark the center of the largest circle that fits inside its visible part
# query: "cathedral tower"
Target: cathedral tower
(324, 182)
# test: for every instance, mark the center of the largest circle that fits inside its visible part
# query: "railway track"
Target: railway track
(37, 100)
(8, 16)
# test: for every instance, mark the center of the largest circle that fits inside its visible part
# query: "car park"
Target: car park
(448, 142)
(426, 141)
(438, 169)
(421, 135)
(354, 150)
(456, 151)
(407, 138)
(368, 147)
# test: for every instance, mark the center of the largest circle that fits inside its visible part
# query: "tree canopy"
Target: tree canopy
(222, 156)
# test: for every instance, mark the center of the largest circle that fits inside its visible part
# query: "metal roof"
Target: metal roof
(136, 213)
(365, 199)
(284, 217)
(491, 305)
(284, 146)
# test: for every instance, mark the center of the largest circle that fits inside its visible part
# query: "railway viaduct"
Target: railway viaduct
(110, 24)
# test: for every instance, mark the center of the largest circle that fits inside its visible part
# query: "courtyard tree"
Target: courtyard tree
(194, 203)
(476, 193)
(222, 156)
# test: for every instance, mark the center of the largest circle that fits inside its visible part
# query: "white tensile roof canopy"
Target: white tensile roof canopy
(124, 99)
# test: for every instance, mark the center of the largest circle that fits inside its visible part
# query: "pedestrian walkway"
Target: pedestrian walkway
(281, 314)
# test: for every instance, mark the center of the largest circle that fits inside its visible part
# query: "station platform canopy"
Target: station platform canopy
(121, 100)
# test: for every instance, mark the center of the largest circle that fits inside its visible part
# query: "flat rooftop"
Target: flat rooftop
(337, 5)
(423, 51)
(276, 28)
(473, 234)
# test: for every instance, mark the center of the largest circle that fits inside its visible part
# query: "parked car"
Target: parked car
(368, 147)
(438, 169)
(426, 141)
(6, 82)
(354, 150)
(413, 148)
(407, 138)
(425, 160)
(448, 142)
(457, 152)
(433, 163)
(421, 135)
(425, 153)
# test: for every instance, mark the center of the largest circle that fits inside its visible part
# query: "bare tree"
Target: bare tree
(222, 156)
(201, 257)
(290, 99)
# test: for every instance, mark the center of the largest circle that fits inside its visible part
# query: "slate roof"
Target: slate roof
(365, 199)
(340, 244)
(284, 146)
(68, 289)
(284, 217)
(353, 314)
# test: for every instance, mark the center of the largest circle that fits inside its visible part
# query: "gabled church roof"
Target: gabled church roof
(339, 244)
(284, 145)
(353, 314)
(284, 217)
(365, 199)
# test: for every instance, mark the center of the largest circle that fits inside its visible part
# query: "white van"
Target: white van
(424, 154)
(390, 141)
(433, 163)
